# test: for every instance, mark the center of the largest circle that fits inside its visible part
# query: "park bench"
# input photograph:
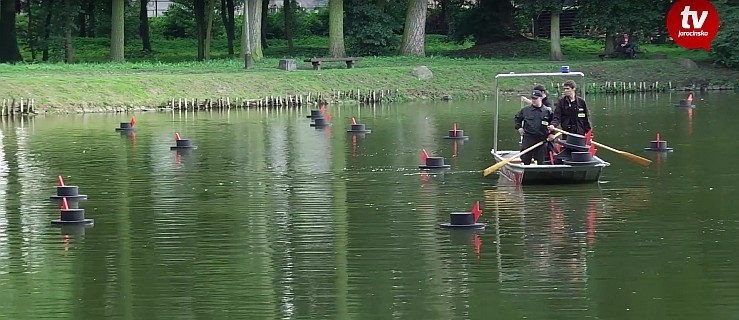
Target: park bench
(619, 52)
(316, 62)
(615, 54)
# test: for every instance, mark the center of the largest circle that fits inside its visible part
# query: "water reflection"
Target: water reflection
(4, 212)
(31, 175)
(282, 243)
(271, 218)
(542, 240)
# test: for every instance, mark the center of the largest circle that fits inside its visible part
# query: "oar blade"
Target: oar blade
(636, 159)
(494, 168)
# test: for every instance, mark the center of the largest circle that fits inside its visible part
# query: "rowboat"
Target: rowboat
(518, 173)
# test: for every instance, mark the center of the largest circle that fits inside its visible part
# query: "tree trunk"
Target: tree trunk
(227, 15)
(47, 31)
(9, 51)
(255, 27)
(555, 50)
(144, 26)
(68, 48)
(32, 34)
(610, 43)
(245, 32)
(82, 24)
(210, 12)
(117, 31)
(447, 17)
(414, 33)
(199, 10)
(336, 28)
(288, 10)
(265, 11)
(91, 21)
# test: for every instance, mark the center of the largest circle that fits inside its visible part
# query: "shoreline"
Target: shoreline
(132, 88)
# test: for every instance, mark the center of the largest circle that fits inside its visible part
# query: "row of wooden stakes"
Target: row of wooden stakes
(369, 97)
(11, 107)
(638, 86)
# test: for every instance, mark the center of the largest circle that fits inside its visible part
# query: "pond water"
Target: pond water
(272, 218)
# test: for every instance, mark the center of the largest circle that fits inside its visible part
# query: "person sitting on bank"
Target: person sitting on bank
(627, 46)
(571, 113)
(532, 123)
(545, 101)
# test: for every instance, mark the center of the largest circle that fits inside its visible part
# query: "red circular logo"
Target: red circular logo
(693, 23)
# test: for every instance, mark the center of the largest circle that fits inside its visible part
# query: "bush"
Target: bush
(177, 22)
(369, 31)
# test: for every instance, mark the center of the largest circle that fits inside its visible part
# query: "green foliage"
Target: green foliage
(307, 23)
(368, 30)
(177, 22)
(724, 46)
(487, 22)
(626, 16)
(103, 12)
(442, 45)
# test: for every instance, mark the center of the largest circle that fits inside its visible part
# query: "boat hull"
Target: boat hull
(518, 173)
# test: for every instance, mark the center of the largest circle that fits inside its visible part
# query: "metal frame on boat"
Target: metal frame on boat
(518, 173)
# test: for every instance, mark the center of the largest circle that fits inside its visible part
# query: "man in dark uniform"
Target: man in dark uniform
(532, 123)
(571, 112)
(545, 100)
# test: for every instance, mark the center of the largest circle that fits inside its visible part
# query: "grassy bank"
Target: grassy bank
(60, 87)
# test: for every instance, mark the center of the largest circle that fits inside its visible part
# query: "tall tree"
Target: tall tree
(210, 13)
(117, 31)
(144, 25)
(200, 21)
(255, 26)
(253, 31)
(9, 51)
(31, 31)
(86, 18)
(68, 47)
(265, 14)
(47, 29)
(287, 8)
(414, 33)
(552, 8)
(555, 50)
(227, 15)
(91, 19)
(246, 47)
(336, 28)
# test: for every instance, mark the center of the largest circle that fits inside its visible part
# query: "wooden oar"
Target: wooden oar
(629, 156)
(499, 165)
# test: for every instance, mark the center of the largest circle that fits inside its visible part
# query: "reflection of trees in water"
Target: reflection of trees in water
(4, 171)
(31, 175)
